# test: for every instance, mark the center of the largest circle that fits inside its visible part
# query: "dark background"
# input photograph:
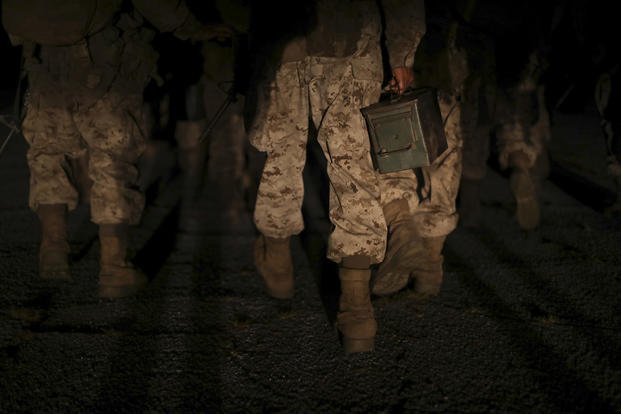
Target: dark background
(525, 322)
(579, 38)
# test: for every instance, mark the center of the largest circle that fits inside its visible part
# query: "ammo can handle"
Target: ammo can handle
(395, 97)
(383, 151)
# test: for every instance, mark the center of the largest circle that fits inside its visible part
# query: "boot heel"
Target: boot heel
(353, 345)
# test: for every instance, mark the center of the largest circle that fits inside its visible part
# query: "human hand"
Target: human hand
(402, 78)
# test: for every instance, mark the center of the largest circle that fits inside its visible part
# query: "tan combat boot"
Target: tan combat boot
(403, 248)
(54, 249)
(524, 189)
(356, 320)
(428, 274)
(117, 277)
(272, 257)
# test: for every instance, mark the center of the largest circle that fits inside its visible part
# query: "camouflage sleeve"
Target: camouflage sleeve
(169, 16)
(404, 28)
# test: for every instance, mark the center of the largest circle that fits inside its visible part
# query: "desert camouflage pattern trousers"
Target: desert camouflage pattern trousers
(484, 111)
(515, 133)
(437, 215)
(331, 92)
(59, 129)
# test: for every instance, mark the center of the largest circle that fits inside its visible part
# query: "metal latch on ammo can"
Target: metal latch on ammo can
(407, 131)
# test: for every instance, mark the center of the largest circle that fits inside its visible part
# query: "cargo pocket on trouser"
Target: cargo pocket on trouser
(282, 108)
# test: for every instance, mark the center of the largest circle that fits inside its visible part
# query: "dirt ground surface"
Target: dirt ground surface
(525, 322)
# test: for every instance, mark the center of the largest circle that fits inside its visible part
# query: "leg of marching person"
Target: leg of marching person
(278, 208)
(115, 144)
(52, 138)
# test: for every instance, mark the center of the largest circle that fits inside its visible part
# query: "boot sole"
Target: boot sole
(355, 345)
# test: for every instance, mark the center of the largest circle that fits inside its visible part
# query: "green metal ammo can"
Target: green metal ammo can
(407, 131)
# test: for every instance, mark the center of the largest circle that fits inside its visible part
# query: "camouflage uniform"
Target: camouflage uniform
(87, 96)
(438, 215)
(443, 64)
(523, 122)
(65, 116)
(329, 82)
(213, 97)
(515, 111)
(88, 64)
(460, 60)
